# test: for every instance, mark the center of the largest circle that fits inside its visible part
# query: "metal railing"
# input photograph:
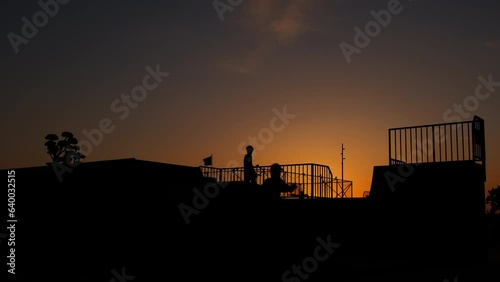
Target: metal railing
(313, 180)
(446, 142)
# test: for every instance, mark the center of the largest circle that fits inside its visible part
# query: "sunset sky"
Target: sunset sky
(231, 72)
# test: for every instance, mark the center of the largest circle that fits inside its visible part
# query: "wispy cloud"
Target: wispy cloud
(285, 20)
(492, 44)
(274, 23)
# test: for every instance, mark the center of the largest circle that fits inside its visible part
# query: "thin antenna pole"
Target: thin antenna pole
(342, 187)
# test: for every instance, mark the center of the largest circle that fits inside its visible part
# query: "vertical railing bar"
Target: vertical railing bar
(306, 175)
(440, 156)
(411, 145)
(426, 144)
(464, 156)
(301, 175)
(330, 184)
(438, 146)
(320, 181)
(463, 145)
(421, 145)
(483, 146)
(416, 144)
(312, 178)
(327, 179)
(474, 154)
(400, 148)
(406, 150)
(395, 156)
(458, 141)
(451, 142)
(408, 146)
(441, 139)
(294, 171)
(469, 133)
(390, 152)
(323, 182)
(433, 145)
(456, 135)
(445, 145)
(465, 129)
(395, 145)
(304, 179)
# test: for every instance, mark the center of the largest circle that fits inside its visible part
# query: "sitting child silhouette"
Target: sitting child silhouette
(274, 186)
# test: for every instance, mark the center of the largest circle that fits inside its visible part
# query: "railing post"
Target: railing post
(389, 147)
(433, 146)
(400, 147)
(483, 148)
(312, 181)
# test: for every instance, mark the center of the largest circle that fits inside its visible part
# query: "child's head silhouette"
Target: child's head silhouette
(275, 171)
(249, 149)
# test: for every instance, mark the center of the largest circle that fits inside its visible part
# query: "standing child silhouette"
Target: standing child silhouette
(250, 176)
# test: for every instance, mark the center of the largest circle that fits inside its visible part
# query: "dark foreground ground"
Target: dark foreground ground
(117, 227)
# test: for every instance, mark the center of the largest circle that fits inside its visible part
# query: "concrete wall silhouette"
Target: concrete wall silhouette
(439, 207)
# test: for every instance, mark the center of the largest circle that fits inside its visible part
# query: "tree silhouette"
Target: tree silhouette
(65, 150)
(493, 199)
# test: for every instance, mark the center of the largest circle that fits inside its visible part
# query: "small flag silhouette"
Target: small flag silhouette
(207, 160)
